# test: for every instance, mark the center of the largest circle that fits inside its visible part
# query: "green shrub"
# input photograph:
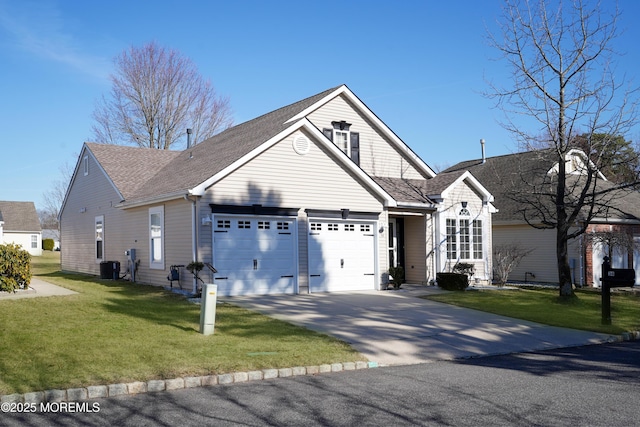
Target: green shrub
(452, 281)
(15, 267)
(48, 244)
(397, 274)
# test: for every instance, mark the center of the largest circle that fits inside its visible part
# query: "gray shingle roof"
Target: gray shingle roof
(405, 190)
(511, 175)
(19, 216)
(140, 175)
(130, 167)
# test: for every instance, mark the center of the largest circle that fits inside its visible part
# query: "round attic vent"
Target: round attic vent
(301, 144)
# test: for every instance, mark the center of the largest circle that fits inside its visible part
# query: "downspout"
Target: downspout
(194, 236)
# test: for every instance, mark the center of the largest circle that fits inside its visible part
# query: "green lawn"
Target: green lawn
(114, 332)
(544, 306)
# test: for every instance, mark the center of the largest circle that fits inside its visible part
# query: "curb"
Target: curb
(138, 387)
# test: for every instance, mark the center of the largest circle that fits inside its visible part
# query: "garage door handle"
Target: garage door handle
(220, 278)
(284, 233)
(220, 231)
(315, 275)
(369, 274)
(286, 277)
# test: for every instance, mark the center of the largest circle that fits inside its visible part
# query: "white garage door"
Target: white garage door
(341, 255)
(254, 255)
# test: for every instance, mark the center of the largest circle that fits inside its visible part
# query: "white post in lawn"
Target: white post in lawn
(208, 309)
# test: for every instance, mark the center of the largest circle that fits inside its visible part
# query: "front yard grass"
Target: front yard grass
(116, 331)
(544, 306)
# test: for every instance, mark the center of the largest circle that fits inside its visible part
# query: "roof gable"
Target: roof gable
(516, 173)
(142, 175)
(19, 216)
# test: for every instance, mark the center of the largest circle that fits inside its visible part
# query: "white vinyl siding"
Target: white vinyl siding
(281, 177)
(377, 156)
(542, 260)
(89, 197)
(466, 231)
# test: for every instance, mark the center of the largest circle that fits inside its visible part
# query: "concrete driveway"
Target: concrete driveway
(397, 327)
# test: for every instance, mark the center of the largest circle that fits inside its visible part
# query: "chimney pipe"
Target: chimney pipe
(189, 132)
(484, 159)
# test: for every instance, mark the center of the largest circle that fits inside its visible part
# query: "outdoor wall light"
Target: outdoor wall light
(464, 204)
(345, 213)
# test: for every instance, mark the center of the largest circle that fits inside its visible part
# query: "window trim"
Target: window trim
(464, 246)
(158, 263)
(99, 237)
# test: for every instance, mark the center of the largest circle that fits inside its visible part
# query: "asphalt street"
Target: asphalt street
(581, 386)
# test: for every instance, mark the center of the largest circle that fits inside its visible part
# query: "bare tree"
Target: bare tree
(560, 54)
(506, 258)
(54, 197)
(156, 95)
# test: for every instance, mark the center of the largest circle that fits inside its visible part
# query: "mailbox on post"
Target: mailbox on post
(613, 278)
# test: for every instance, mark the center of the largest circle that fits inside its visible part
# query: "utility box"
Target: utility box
(208, 309)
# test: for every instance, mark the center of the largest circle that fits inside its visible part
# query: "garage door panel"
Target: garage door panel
(254, 255)
(341, 256)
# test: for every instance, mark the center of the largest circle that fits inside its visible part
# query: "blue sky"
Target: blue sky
(421, 66)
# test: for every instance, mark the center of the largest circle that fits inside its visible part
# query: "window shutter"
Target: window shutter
(328, 133)
(355, 147)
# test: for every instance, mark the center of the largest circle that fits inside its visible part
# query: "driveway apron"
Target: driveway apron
(398, 328)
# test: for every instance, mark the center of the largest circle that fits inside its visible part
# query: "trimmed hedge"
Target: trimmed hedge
(452, 281)
(15, 267)
(48, 244)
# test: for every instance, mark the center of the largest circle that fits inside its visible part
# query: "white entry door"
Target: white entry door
(254, 255)
(342, 255)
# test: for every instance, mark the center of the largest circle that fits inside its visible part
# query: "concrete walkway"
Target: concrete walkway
(397, 327)
(37, 288)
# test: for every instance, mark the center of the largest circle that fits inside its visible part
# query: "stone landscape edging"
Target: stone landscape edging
(150, 386)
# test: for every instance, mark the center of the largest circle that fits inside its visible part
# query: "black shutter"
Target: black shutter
(355, 147)
(328, 133)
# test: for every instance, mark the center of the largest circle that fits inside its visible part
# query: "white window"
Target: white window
(85, 165)
(341, 139)
(464, 239)
(452, 252)
(156, 237)
(34, 241)
(477, 239)
(99, 226)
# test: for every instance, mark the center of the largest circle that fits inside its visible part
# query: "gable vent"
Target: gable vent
(301, 144)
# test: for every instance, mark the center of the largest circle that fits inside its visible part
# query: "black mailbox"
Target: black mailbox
(620, 277)
(613, 278)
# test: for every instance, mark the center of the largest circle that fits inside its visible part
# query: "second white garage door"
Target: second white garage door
(254, 255)
(341, 255)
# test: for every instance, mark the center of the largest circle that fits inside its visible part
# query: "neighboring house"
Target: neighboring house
(509, 175)
(19, 224)
(316, 196)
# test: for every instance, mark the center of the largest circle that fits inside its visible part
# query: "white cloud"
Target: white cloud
(39, 28)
